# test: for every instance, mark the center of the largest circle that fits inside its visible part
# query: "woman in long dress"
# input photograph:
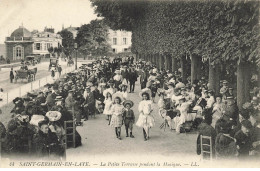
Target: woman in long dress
(117, 110)
(145, 120)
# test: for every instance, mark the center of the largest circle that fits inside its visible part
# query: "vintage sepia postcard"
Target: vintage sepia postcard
(129, 84)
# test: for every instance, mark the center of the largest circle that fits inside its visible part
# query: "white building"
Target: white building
(120, 40)
(44, 40)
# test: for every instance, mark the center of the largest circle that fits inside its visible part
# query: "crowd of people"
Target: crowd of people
(103, 87)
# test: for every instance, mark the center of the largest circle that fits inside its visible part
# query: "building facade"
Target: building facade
(120, 40)
(44, 40)
(19, 44)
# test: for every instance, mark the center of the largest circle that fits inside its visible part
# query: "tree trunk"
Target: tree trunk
(160, 61)
(137, 57)
(174, 64)
(258, 77)
(168, 62)
(194, 63)
(183, 68)
(243, 80)
(214, 73)
(198, 67)
(163, 62)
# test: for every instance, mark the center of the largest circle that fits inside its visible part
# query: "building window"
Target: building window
(124, 41)
(114, 50)
(45, 46)
(125, 49)
(48, 45)
(38, 46)
(114, 41)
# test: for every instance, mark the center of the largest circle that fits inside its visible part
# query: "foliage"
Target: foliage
(67, 42)
(221, 30)
(93, 38)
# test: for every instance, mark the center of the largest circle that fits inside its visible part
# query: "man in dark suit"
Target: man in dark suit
(125, 73)
(89, 104)
(143, 78)
(132, 79)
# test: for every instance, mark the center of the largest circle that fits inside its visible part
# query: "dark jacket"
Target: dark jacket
(46, 144)
(244, 143)
(133, 76)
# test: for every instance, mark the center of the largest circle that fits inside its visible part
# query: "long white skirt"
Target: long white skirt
(145, 121)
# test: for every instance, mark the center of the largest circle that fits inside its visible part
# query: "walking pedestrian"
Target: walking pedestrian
(145, 120)
(128, 117)
(53, 73)
(59, 70)
(117, 114)
(11, 75)
(108, 104)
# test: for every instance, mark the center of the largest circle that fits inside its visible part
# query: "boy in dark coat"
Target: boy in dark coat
(128, 117)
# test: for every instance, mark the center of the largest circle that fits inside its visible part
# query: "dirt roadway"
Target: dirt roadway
(100, 143)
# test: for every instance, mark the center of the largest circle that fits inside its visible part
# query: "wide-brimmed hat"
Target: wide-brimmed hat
(53, 115)
(128, 102)
(145, 90)
(36, 119)
(117, 95)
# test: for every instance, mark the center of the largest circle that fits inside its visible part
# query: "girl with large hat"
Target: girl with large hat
(117, 110)
(145, 120)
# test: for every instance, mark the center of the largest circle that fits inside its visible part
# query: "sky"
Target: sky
(37, 14)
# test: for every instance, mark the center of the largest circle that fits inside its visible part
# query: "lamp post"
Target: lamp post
(76, 55)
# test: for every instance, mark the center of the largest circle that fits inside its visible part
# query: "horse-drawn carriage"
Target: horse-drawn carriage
(32, 60)
(53, 63)
(28, 75)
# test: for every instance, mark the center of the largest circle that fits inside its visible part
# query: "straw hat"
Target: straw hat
(145, 90)
(117, 95)
(128, 102)
(53, 115)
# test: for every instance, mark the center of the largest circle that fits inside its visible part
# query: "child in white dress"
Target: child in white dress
(108, 104)
(145, 120)
(117, 110)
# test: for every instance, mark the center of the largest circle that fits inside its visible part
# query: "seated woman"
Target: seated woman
(19, 134)
(45, 142)
(217, 110)
(184, 116)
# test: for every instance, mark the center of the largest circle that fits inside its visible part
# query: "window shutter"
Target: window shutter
(22, 52)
